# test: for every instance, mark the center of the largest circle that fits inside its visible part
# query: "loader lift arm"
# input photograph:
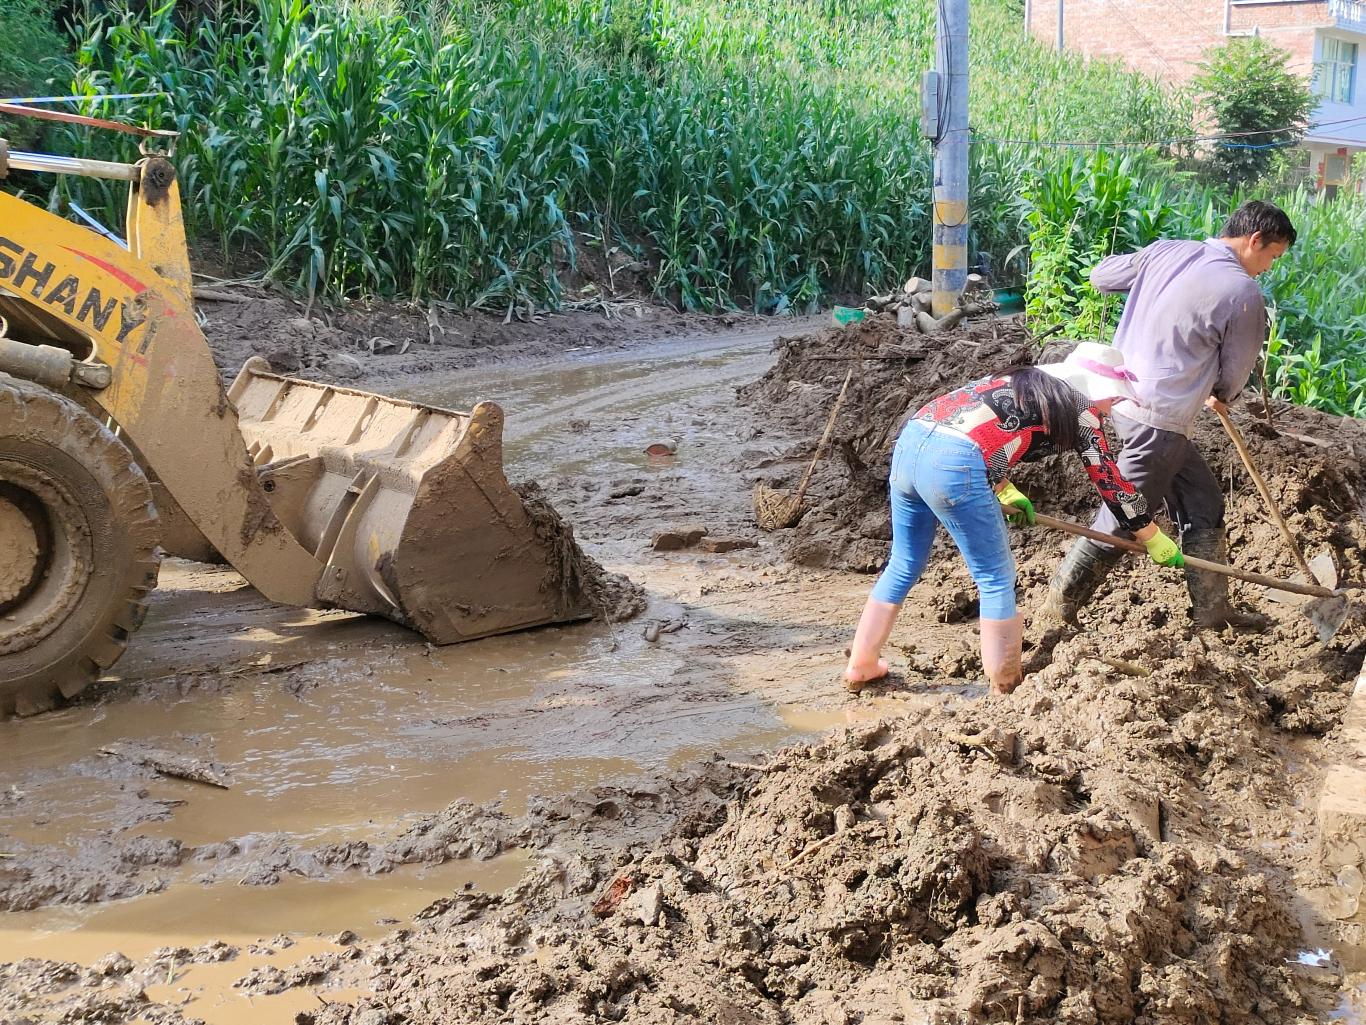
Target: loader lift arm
(319, 496)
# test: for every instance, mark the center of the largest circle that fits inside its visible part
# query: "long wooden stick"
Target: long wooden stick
(1262, 489)
(820, 446)
(1067, 526)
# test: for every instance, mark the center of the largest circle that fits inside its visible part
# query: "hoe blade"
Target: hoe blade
(407, 508)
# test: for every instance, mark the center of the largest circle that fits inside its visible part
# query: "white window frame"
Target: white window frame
(1335, 77)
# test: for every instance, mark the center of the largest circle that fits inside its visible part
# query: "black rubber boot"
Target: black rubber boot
(1210, 606)
(1072, 586)
(1075, 581)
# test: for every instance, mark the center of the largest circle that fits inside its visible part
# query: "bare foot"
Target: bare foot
(856, 678)
(1006, 688)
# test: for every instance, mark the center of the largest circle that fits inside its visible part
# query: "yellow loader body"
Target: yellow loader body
(320, 496)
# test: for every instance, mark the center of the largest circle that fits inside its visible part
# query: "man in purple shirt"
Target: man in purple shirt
(1192, 329)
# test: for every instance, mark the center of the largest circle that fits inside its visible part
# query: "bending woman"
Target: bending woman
(950, 467)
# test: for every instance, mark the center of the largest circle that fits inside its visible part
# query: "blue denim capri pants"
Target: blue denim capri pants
(939, 476)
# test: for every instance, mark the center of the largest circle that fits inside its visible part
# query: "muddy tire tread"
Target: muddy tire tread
(41, 414)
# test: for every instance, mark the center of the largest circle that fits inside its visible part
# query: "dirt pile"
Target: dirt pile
(1315, 464)
(369, 344)
(1089, 850)
(611, 596)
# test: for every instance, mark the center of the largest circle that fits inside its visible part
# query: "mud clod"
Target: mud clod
(677, 538)
(1006, 868)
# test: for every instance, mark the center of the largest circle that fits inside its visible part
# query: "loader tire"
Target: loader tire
(78, 547)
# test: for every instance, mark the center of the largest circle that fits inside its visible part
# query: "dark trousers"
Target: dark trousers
(1166, 467)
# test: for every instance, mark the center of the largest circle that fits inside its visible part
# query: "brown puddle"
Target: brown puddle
(190, 915)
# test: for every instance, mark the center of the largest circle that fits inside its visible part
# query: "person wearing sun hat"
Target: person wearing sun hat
(1191, 331)
(950, 466)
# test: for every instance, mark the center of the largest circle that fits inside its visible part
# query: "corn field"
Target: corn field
(747, 153)
(468, 152)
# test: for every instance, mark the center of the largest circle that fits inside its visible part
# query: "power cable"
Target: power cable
(1122, 144)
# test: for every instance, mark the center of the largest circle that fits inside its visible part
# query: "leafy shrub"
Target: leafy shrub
(1246, 88)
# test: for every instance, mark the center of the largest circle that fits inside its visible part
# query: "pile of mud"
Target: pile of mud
(370, 344)
(611, 596)
(1314, 464)
(1089, 850)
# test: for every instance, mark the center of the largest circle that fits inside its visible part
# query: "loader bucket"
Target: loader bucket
(407, 508)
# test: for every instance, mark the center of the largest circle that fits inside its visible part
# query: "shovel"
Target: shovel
(1327, 616)
(774, 509)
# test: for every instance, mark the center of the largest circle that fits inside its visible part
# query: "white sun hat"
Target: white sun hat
(1097, 371)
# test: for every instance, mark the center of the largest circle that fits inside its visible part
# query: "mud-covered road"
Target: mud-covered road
(338, 730)
(439, 832)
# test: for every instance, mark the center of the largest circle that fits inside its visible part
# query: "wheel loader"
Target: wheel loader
(119, 443)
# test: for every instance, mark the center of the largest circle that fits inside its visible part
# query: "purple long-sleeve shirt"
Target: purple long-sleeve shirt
(1193, 326)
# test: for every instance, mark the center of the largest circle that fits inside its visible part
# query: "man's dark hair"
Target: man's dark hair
(1256, 215)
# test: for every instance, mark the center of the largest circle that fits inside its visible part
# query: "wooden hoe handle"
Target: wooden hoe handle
(1068, 527)
(1262, 489)
(825, 436)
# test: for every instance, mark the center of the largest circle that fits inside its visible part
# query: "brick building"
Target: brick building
(1166, 39)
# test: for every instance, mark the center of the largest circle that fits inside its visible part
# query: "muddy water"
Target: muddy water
(335, 727)
(598, 413)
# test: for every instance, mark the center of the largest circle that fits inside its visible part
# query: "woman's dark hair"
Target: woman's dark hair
(1051, 400)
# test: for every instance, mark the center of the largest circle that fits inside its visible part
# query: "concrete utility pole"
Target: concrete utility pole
(1029, 16)
(951, 158)
(1062, 34)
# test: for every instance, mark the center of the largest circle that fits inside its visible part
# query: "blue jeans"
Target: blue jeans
(937, 477)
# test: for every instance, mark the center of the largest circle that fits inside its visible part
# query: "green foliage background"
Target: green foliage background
(34, 51)
(746, 152)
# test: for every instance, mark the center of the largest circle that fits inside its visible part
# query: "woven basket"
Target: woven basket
(774, 509)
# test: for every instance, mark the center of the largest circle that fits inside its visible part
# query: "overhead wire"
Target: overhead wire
(1153, 143)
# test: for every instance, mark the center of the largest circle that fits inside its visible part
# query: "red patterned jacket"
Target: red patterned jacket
(988, 413)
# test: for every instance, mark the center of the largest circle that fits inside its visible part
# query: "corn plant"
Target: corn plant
(751, 153)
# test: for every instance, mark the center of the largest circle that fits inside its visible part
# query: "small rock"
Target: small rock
(345, 938)
(646, 906)
(284, 361)
(112, 964)
(721, 545)
(678, 538)
(626, 490)
(344, 367)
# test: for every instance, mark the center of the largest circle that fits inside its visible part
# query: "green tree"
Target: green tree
(34, 52)
(1245, 87)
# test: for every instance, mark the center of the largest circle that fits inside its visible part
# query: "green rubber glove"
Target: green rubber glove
(1163, 550)
(1019, 509)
